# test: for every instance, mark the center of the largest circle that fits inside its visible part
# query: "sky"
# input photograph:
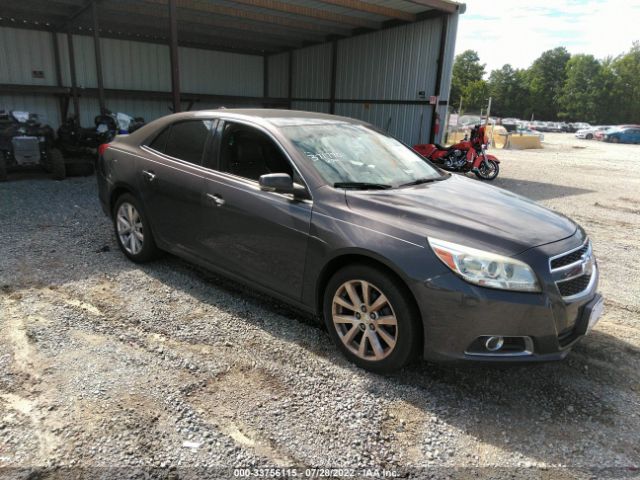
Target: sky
(518, 31)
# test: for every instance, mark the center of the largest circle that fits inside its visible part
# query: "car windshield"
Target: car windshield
(354, 155)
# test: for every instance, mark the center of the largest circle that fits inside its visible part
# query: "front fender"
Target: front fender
(492, 157)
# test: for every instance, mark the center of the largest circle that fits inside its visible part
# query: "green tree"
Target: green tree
(580, 96)
(509, 91)
(467, 69)
(547, 76)
(475, 96)
(627, 88)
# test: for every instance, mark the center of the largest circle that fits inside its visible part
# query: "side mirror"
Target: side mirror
(282, 183)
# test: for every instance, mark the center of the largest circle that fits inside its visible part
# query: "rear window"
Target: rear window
(187, 140)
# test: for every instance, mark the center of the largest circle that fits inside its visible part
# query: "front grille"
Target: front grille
(574, 286)
(569, 258)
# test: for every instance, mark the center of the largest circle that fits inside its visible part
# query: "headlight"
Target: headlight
(485, 268)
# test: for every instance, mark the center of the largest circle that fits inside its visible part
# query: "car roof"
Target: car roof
(269, 118)
(275, 117)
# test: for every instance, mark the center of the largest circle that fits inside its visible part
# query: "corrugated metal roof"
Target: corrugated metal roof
(250, 25)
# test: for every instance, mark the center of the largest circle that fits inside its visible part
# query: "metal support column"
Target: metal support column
(265, 78)
(173, 50)
(443, 46)
(96, 46)
(290, 86)
(62, 105)
(334, 72)
(72, 74)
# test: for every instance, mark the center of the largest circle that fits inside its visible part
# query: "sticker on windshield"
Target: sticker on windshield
(328, 157)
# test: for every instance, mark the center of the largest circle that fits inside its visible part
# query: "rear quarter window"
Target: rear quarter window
(160, 141)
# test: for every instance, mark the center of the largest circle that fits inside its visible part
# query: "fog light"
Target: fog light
(493, 344)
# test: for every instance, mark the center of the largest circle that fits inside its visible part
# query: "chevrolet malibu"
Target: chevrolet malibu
(343, 221)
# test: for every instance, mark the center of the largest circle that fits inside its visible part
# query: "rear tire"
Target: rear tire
(58, 168)
(589, 136)
(132, 229)
(382, 334)
(3, 168)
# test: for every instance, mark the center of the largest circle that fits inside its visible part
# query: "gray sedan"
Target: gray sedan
(341, 220)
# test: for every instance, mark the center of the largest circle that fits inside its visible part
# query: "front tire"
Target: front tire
(615, 140)
(133, 233)
(488, 172)
(371, 318)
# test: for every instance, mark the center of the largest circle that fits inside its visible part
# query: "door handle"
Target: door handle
(149, 175)
(217, 199)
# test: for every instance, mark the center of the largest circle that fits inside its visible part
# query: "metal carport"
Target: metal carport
(387, 62)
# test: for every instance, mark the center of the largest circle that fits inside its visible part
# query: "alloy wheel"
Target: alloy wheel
(130, 228)
(365, 320)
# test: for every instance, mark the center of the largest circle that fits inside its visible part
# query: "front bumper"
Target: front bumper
(456, 314)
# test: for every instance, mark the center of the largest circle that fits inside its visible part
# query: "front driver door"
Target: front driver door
(260, 236)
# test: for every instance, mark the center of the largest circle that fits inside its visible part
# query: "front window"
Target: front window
(346, 154)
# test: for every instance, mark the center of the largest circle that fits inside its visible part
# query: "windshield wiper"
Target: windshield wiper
(362, 185)
(420, 181)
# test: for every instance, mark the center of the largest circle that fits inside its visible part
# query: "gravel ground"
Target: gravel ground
(105, 364)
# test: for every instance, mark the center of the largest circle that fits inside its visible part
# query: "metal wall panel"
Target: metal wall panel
(409, 123)
(322, 107)
(206, 71)
(85, 57)
(135, 65)
(22, 52)
(312, 72)
(44, 105)
(392, 64)
(278, 75)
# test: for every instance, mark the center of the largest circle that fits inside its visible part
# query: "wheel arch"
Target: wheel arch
(351, 257)
(117, 191)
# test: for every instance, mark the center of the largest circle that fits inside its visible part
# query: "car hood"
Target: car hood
(463, 211)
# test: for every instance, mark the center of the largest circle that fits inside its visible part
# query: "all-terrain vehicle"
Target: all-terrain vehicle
(26, 142)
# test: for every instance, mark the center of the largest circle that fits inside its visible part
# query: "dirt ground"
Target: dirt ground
(115, 370)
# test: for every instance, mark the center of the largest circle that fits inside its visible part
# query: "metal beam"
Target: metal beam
(21, 89)
(381, 10)
(173, 51)
(265, 76)
(96, 46)
(56, 62)
(441, 5)
(310, 12)
(200, 7)
(439, 72)
(334, 73)
(88, 4)
(72, 75)
(290, 83)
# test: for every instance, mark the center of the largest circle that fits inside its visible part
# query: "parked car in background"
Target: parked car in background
(579, 126)
(329, 214)
(625, 134)
(600, 132)
(588, 133)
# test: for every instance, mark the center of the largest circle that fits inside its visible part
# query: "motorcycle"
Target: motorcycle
(469, 155)
(76, 140)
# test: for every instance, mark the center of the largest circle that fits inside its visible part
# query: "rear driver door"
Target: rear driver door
(171, 182)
